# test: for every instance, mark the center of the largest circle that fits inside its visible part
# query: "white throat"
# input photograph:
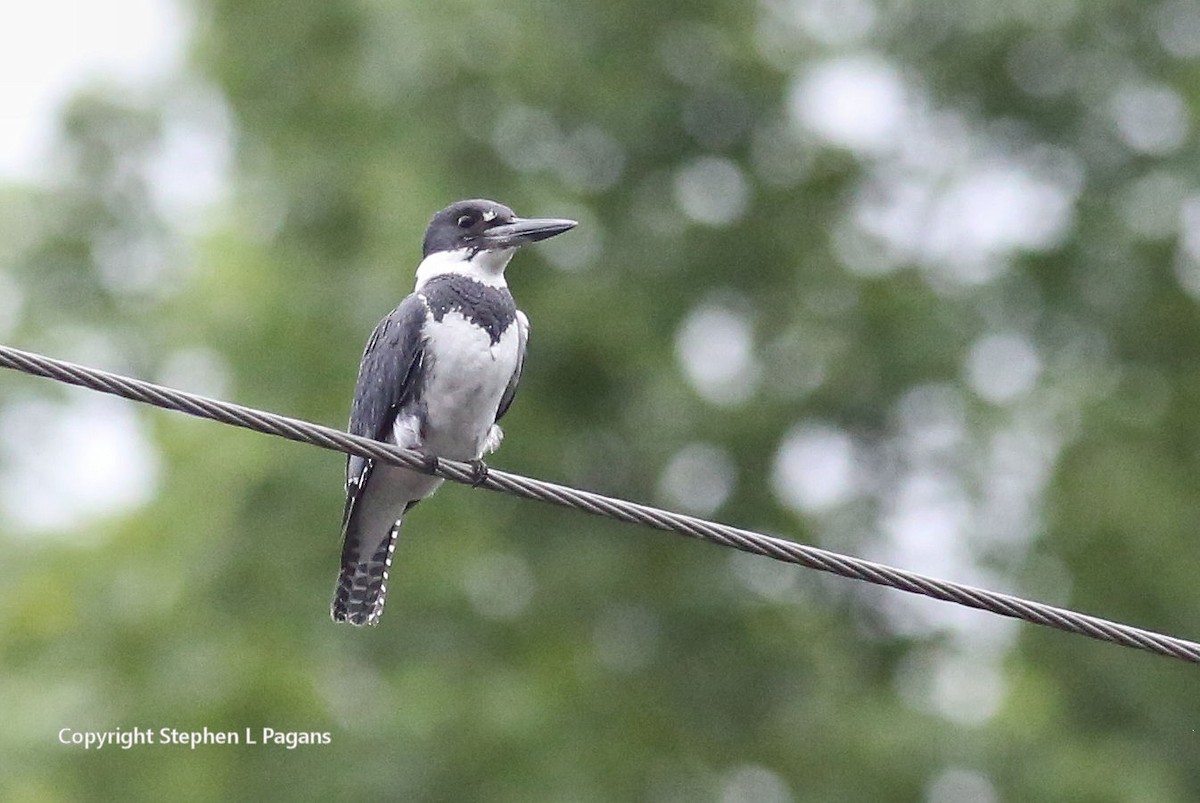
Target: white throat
(485, 267)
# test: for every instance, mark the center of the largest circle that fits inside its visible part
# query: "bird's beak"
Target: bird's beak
(525, 230)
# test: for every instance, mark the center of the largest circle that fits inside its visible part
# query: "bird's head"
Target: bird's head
(481, 236)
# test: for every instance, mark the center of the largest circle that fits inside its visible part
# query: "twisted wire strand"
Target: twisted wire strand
(619, 509)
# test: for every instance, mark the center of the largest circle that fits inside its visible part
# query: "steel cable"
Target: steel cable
(619, 509)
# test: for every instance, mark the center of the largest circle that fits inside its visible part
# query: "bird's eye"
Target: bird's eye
(465, 222)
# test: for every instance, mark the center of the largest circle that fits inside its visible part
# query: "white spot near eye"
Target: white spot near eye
(489, 216)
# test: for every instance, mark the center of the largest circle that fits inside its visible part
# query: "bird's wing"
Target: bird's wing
(387, 380)
(511, 390)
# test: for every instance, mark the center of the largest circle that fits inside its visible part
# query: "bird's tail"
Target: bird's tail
(362, 582)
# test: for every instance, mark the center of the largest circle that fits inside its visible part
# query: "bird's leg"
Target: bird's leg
(479, 472)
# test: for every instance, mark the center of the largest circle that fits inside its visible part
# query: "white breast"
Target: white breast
(465, 376)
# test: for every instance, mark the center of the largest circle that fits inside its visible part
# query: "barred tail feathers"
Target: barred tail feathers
(362, 582)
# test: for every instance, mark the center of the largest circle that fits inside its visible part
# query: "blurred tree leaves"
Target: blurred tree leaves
(951, 249)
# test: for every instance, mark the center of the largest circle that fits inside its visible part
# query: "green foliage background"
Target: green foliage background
(529, 653)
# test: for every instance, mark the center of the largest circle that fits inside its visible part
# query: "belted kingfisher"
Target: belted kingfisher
(437, 375)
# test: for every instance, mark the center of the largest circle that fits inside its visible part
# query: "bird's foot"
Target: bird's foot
(479, 472)
(429, 461)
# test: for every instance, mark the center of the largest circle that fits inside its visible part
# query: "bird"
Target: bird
(437, 375)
